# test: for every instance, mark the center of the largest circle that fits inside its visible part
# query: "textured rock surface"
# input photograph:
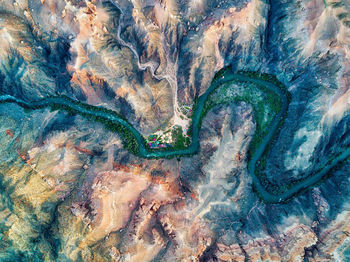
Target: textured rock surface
(70, 192)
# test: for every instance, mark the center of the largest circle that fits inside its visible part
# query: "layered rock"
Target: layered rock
(70, 192)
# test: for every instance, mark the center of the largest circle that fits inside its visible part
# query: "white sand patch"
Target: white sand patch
(299, 160)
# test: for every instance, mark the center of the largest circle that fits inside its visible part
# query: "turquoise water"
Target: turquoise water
(143, 151)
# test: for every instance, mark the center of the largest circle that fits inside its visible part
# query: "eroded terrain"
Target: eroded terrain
(69, 189)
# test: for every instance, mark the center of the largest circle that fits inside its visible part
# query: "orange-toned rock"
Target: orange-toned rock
(9, 132)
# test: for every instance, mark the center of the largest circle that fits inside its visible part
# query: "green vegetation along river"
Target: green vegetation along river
(135, 142)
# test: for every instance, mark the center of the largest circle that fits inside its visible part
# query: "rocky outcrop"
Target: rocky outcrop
(70, 192)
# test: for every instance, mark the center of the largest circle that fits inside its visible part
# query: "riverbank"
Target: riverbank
(136, 144)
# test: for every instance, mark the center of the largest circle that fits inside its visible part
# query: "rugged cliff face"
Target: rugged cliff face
(69, 191)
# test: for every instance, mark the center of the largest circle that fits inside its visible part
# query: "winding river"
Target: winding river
(268, 197)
